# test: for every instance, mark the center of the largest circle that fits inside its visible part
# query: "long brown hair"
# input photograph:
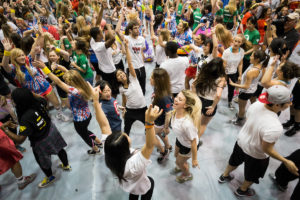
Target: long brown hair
(209, 73)
(162, 84)
(73, 78)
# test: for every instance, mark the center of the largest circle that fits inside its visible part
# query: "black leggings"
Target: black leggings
(62, 156)
(141, 76)
(131, 116)
(82, 129)
(234, 78)
(284, 176)
(146, 196)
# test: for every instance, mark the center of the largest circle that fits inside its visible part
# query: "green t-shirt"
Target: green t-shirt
(197, 17)
(220, 12)
(253, 37)
(178, 17)
(228, 17)
(159, 8)
(82, 61)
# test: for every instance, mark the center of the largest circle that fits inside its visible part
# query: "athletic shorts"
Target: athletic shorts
(207, 103)
(254, 168)
(183, 150)
(245, 96)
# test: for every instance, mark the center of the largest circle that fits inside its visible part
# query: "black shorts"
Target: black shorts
(61, 93)
(4, 89)
(258, 91)
(296, 95)
(245, 96)
(207, 103)
(254, 168)
(183, 150)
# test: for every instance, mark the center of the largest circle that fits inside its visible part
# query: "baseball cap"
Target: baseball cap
(293, 16)
(276, 94)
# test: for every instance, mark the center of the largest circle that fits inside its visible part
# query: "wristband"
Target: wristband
(57, 50)
(46, 70)
(149, 126)
(12, 11)
(6, 53)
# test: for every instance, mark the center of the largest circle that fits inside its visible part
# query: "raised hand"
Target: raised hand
(152, 113)
(6, 44)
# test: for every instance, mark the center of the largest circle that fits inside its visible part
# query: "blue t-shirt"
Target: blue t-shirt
(110, 109)
(166, 104)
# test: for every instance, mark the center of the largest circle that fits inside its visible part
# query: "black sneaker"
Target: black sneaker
(163, 156)
(93, 152)
(288, 124)
(224, 179)
(248, 193)
(292, 131)
(230, 106)
(273, 179)
(99, 145)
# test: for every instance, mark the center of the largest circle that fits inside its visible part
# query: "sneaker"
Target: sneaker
(182, 179)
(62, 117)
(292, 131)
(93, 152)
(236, 99)
(28, 180)
(288, 124)
(65, 168)
(21, 149)
(224, 179)
(163, 156)
(99, 145)
(248, 193)
(47, 181)
(238, 122)
(273, 179)
(175, 171)
(230, 106)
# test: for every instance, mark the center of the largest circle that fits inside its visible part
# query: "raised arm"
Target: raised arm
(215, 44)
(150, 116)
(99, 17)
(118, 27)
(111, 38)
(54, 78)
(100, 116)
(128, 57)
(5, 60)
(266, 80)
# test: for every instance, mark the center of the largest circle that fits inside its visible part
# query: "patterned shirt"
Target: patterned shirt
(79, 106)
(184, 38)
(37, 84)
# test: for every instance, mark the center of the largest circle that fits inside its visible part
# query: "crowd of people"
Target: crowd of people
(71, 54)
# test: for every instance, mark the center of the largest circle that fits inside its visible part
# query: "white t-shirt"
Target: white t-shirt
(104, 56)
(160, 54)
(136, 47)
(185, 130)
(211, 94)
(134, 94)
(261, 125)
(135, 173)
(176, 70)
(232, 59)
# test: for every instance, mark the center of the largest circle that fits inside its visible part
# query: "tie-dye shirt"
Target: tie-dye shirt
(37, 84)
(79, 106)
(184, 38)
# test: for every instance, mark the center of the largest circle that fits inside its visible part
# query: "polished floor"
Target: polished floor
(91, 179)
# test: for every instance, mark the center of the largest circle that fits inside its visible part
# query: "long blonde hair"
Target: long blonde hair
(15, 53)
(223, 35)
(73, 78)
(231, 6)
(193, 106)
(80, 22)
